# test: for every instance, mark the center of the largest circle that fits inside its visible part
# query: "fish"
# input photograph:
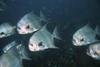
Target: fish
(6, 29)
(85, 35)
(13, 54)
(43, 39)
(30, 23)
(94, 50)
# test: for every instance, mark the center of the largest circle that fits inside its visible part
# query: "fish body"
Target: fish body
(84, 36)
(30, 23)
(6, 30)
(94, 50)
(13, 55)
(9, 60)
(42, 40)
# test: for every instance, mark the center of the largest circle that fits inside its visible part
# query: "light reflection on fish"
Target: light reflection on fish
(94, 50)
(30, 23)
(6, 30)
(13, 55)
(84, 36)
(43, 39)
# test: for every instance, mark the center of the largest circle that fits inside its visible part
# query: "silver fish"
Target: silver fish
(6, 30)
(13, 55)
(84, 36)
(94, 50)
(31, 23)
(43, 39)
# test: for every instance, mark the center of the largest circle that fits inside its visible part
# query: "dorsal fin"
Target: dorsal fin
(87, 25)
(44, 28)
(41, 14)
(43, 17)
(56, 34)
(29, 14)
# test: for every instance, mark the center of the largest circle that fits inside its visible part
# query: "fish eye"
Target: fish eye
(27, 27)
(82, 39)
(40, 44)
(2, 33)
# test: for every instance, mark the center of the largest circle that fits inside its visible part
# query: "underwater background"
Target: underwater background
(71, 14)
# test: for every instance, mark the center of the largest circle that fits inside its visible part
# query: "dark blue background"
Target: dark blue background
(58, 10)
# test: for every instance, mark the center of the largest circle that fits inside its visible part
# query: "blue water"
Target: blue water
(71, 10)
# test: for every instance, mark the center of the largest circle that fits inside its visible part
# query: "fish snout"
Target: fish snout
(75, 42)
(33, 47)
(22, 31)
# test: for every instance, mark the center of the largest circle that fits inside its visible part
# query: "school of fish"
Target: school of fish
(42, 39)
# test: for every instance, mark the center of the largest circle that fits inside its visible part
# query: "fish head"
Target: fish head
(36, 44)
(6, 30)
(94, 51)
(25, 26)
(42, 40)
(84, 36)
(30, 23)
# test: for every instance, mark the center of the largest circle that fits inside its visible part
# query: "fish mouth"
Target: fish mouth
(22, 32)
(75, 43)
(33, 49)
(25, 32)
